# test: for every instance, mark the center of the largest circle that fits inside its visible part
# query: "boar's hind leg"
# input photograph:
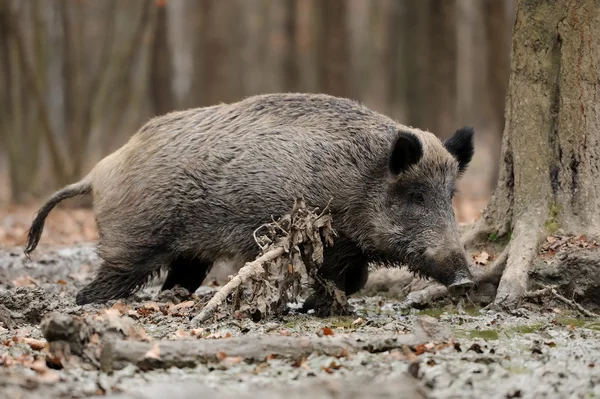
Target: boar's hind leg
(120, 280)
(188, 273)
(344, 264)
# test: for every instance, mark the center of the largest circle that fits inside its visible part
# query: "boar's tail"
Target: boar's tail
(82, 187)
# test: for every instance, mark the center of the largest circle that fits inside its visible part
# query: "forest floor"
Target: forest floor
(546, 352)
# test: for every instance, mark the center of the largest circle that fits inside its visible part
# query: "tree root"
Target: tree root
(551, 291)
(248, 271)
(164, 354)
(419, 299)
(523, 248)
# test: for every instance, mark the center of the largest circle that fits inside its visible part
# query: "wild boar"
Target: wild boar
(191, 186)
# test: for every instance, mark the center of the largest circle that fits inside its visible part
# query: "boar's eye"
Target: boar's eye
(418, 198)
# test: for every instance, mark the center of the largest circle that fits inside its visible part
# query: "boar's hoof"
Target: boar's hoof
(461, 286)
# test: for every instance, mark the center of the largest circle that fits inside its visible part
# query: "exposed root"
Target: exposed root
(521, 253)
(551, 291)
(475, 234)
(419, 299)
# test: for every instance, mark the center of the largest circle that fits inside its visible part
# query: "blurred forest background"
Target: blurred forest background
(79, 77)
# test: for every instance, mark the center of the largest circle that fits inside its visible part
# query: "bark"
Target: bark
(551, 142)
(164, 354)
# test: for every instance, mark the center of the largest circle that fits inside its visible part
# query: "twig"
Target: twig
(249, 270)
(552, 291)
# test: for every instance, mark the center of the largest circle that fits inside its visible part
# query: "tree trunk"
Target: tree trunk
(441, 93)
(497, 49)
(161, 70)
(334, 58)
(548, 179)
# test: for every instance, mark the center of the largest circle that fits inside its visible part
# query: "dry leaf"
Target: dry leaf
(154, 352)
(358, 322)
(36, 344)
(180, 334)
(482, 258)
(327, 331)
(197, 332)
(25, 281)
(120, 306)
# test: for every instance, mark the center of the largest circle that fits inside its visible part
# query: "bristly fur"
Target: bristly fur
(191, 186)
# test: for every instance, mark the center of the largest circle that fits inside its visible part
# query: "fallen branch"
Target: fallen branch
(164, 354)
(551, 291)
(250, 270)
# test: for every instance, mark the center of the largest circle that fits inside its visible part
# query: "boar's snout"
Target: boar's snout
(450, 267)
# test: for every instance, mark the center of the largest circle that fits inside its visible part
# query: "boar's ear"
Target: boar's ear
(460, 145)
(406, 151)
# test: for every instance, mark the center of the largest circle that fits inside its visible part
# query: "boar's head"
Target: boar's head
(415, 223)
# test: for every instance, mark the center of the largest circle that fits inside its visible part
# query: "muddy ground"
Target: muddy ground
(546, 352)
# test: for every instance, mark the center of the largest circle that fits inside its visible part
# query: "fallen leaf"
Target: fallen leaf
(120, 306)
(327, 331)
(231, 361)
(181, 334)
(154, 352)
(25, 281)
(197, 332)
(36, 344)
(358, 322)
(481, 258)
(61, 282)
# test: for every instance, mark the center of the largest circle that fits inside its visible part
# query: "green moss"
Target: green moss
(551, 223)
(524, 329)
(488, 335)
(344, 322)
(578, 322)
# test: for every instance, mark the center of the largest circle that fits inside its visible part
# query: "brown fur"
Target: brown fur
(191, 186)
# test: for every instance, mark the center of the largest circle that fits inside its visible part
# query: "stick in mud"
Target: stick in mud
(250, 270)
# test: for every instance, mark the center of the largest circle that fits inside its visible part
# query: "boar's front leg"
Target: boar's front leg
(187, 272)
(347, 266)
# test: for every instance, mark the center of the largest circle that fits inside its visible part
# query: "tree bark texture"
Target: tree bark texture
(550, 160)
